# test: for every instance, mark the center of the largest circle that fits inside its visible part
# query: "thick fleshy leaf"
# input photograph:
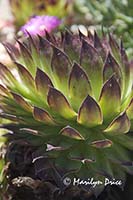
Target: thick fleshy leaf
(59, 104)
(45, 52)
(11, 50)
(90, 113)
(79, 86)
(43, 83)
(110, 98)
(129, 110)
(114, 47)
(102, 143)
(111, 67)
(125, 67)
(21, 101)
(72, 133)
(98, 45)
(25, 76)
(43, 116)
(72, 45)
(6, 76)
(30, 131)
(92, 63)
(27, 58)
(119, 125)
(61, 67)
(54, 148)
(4, 91)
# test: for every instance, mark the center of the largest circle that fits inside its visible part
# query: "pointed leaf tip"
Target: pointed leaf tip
(102, 143)
(58, 103)
(90, 113)
(42, 82)
(61, 67)
(111, 67)
(120, 125)
(129, 110)
(25, 75)
(43, 116)
(22, 102)
(72, 133)
(79, 86)
(92, 64)
(110, 93)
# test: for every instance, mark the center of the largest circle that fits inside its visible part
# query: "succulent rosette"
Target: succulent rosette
(71, 97)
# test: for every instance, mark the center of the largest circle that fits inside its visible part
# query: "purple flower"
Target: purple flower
(40, 24)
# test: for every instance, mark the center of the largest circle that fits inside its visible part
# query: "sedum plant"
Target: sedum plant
(71, 97)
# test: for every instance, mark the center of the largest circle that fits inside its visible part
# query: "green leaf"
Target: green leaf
(79, 86)
(72, 133)
(58, 103)
(45, 52)
(101, 143)
(43, 116)
(125, 67)
(110, 98)
(92, 64)
(129, 110)
(111, 67)
(114, 47)
(72, 45)
(6, 76)
(120, 125)
(99, 47)
(25, 76)
(90, 113)
(42, 82)
(4, 91)
(61, 68)
(26, 57)
(21, 101)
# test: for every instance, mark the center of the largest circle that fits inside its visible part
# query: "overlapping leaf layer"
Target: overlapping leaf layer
(71, 95)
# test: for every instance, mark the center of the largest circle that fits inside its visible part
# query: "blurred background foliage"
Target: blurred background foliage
(114, 15)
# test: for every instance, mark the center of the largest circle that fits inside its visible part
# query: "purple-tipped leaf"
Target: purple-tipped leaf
(61, 67)
(114, 47)
(92, 64)
(43, 116)
(98, 45)
(60, 104)
(125, 67)
(110, 98)
(79, 86)
(12, 51)
(4, 91)
(71, 133)
(22, 102)
(90, 113)
(42, 82)
(6, 76)
(26, 55)
(111, 67)
(120, 125)
(25, 75)
(72, 45)
(102, 143)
